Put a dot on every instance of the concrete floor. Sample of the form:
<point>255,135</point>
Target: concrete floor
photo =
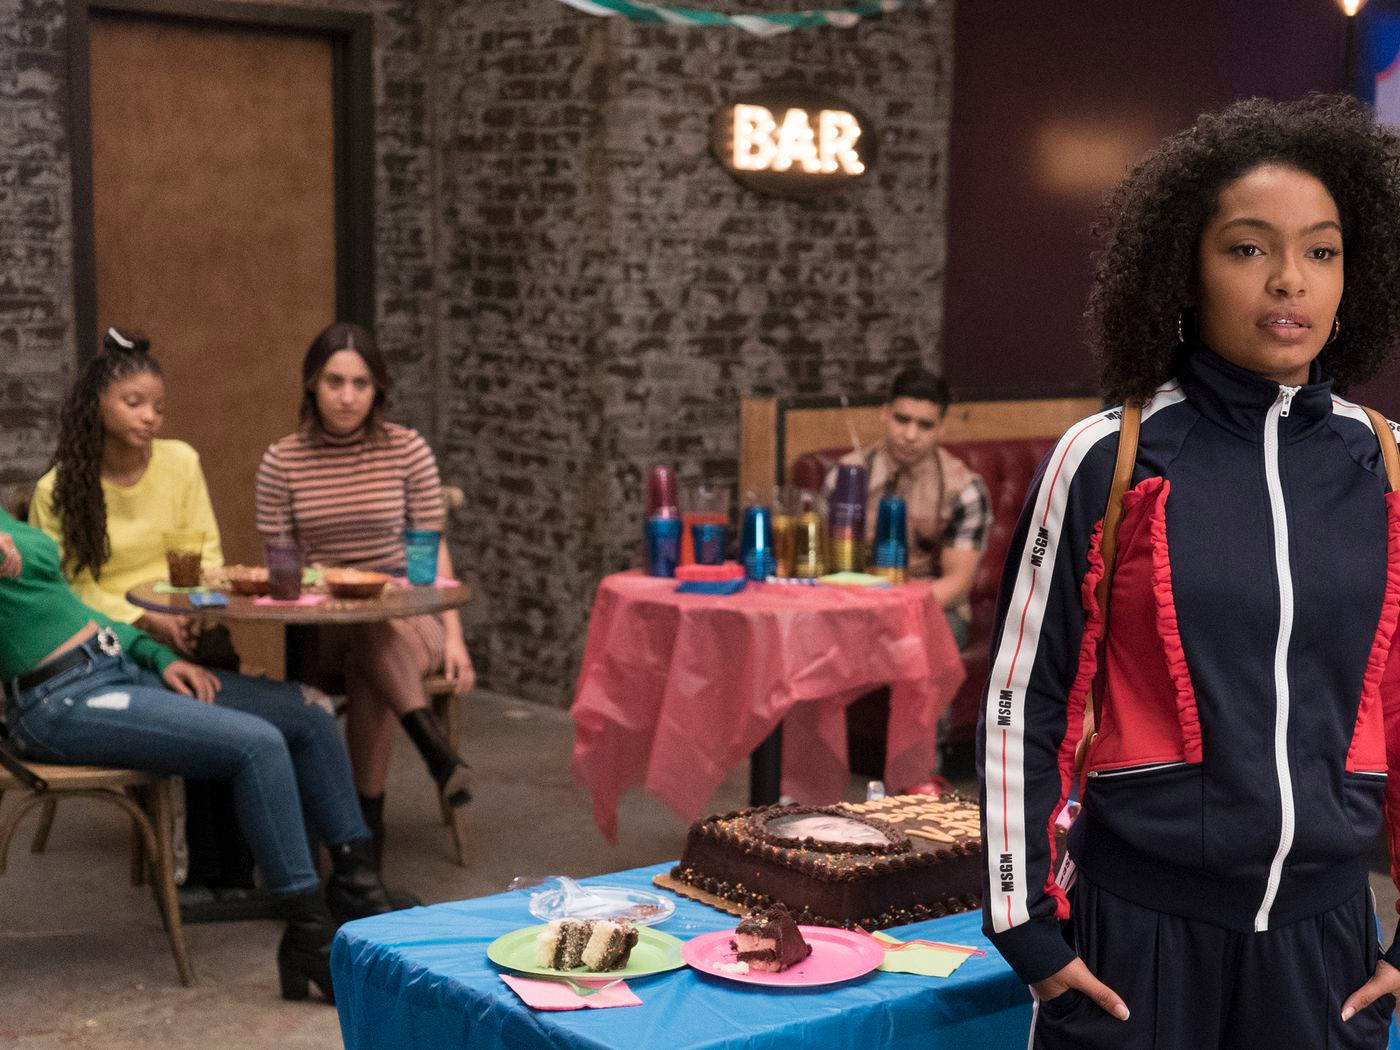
<point>83,957</point>
<point>84,961</point>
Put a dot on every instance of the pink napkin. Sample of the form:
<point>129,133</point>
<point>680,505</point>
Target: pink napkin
<point>441,581</point>
<point>556,995</point>
<point>305,599</point>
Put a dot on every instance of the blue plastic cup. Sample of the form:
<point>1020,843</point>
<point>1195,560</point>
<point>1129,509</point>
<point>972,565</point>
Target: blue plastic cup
<point>891,535</point>
<point>756,546</point>
<point>663,545</point>
<point>420,552</point>
<point>711,540</point>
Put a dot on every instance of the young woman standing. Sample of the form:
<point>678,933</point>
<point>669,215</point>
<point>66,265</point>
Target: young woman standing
<point>1247,749</point>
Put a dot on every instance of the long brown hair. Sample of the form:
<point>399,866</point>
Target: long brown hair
<point>78,501</point>
<point>337,337</point>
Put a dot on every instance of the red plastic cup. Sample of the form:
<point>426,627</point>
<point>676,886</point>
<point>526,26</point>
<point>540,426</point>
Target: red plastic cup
<point>662,493</point>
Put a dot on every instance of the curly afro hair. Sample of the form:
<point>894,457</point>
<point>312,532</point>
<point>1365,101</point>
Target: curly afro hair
<point>1146,274</point>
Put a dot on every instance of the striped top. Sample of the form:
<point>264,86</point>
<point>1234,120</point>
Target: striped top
<point>348,501</point>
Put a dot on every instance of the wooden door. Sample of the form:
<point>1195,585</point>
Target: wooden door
<point>214,219</point>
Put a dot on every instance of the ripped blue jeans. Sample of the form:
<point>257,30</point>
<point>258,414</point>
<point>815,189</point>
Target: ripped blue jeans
<point>276,751</point>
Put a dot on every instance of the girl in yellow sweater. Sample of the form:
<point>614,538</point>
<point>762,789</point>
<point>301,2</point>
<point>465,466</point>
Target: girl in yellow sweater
<point>115,487</point>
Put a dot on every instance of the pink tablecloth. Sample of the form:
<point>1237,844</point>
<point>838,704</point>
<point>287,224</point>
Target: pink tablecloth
<point>676,690</point>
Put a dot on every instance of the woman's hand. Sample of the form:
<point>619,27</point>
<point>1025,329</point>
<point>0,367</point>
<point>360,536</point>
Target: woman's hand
<point>11,564</point>
<point>1077,976</point>
<point>457,664</point>
<point>192,680</point>
<point>1385,981</point>
<point>169,629</point>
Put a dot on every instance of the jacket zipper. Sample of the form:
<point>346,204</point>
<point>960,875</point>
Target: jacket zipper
<point>1127,771</point>
<point>1272,425</point>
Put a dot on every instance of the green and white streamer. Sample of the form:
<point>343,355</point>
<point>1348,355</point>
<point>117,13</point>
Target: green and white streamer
<point>760,25</point>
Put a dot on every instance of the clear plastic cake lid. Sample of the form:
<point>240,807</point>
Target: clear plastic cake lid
<point>560,897</point>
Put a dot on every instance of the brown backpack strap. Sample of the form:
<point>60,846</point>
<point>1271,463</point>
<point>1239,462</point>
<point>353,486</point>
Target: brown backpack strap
<point>1389,454</point>
<point>1108,551</point>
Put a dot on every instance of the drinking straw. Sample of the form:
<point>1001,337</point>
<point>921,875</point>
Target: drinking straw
<point>850,424</point>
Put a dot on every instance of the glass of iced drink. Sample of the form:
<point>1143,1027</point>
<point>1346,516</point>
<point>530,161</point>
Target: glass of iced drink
<point>184,551</point>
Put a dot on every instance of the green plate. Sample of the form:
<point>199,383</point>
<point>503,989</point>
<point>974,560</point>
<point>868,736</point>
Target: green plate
<point>655,952</point>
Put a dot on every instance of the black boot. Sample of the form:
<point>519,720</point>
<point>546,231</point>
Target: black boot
<point>355,889</point>
<point>446,766</point>
<point>372,809</point>
<point>304,956</point>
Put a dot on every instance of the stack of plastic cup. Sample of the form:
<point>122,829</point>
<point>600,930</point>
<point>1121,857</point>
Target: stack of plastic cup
<point>891,554</point>
<point>846,519</point>
<point>663,523</point>
<point>760,559</point>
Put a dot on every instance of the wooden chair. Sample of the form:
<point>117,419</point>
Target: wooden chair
<point>143,797</point>
<point>448,709</point>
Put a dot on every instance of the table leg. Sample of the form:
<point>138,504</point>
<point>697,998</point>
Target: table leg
<point>300,640</point>
<point>766,769</point>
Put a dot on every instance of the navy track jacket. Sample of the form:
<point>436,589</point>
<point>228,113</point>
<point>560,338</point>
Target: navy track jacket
<point>1251,711</point>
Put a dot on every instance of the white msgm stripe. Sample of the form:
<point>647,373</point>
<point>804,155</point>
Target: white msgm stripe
<point>1342,407</point>
<point>1004,755</point>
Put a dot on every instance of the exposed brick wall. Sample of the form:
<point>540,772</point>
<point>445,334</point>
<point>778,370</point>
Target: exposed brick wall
<point>569,289</point>
<point>611,294</point>
<point>524,240</point>
<point>37,349</point>
<point>404,189</point>
<point>36,301</point>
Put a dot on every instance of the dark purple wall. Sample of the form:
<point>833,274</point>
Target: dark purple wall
<point>1051,103</point>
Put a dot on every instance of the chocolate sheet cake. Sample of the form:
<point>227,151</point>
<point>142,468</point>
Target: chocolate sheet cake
<point>872,864</point>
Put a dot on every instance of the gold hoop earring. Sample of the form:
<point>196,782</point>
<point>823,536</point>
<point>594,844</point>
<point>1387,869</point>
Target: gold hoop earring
<point>1336,330</point>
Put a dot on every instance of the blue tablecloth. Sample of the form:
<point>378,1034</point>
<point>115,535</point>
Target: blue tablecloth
<point>420,979</point>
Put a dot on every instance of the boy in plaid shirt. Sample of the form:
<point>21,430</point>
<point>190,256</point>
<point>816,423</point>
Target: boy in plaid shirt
<point>948,509</point>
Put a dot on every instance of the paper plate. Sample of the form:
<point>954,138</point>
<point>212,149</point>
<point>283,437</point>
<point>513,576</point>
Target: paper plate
<point>655,952</point>
<point>568,899</point>
<point>837,955</point>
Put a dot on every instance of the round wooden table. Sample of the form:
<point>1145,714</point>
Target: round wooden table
<point>394,602</point>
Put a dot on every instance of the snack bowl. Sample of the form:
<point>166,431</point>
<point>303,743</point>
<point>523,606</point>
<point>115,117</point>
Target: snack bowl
<point>248,580</point>
<point>354,583</point>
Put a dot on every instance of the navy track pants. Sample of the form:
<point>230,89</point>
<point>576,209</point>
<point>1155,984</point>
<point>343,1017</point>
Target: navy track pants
<point>1190,985</point>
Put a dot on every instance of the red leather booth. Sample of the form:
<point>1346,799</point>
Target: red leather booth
<point>1007,466</point>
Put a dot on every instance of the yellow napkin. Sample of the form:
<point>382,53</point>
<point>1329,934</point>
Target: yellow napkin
<point>921,958</point>
<point>855,579</point>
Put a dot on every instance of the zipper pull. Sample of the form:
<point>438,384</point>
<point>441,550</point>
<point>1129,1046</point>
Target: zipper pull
<point>1285,395</point>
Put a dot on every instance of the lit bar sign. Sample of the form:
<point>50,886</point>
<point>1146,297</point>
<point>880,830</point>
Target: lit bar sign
<point>792,140</point>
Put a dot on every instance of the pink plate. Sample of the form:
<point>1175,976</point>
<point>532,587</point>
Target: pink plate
<point>837,955</point>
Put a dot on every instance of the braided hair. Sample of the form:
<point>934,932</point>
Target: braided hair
<point>77,492</point>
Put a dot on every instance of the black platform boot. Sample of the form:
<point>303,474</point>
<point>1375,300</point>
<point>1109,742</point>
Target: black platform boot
<point>304,956</point>
<point>355,889</point>
<point>452,774</point>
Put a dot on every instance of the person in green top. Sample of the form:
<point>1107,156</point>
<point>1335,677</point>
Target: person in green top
<point>83,688</point>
